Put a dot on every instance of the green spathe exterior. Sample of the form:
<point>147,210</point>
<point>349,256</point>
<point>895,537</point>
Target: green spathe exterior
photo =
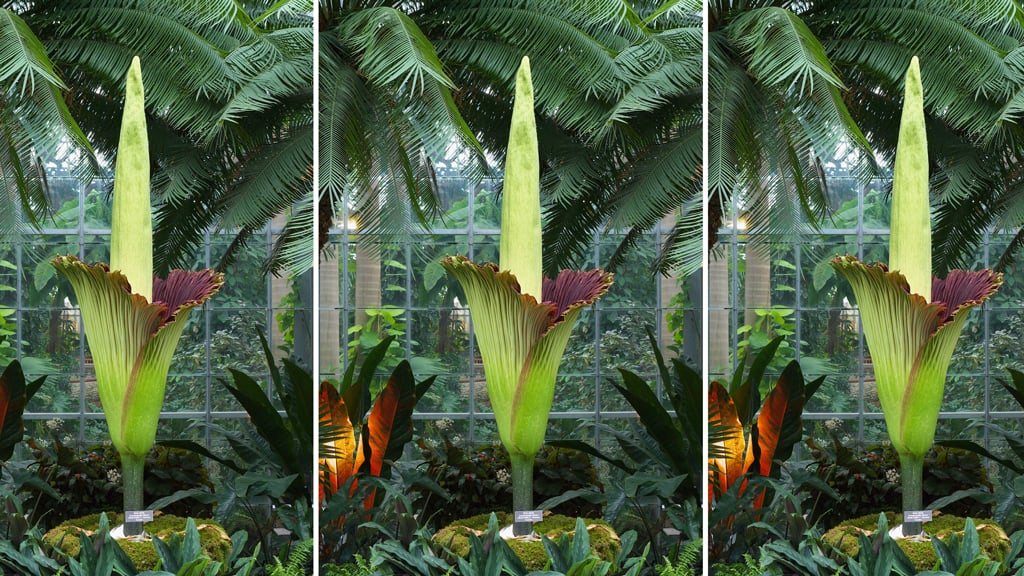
<point>133,321</point>
<point>522,320</point>
<point>911,320</point>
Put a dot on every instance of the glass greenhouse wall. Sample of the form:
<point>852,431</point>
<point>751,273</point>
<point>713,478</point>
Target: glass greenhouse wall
<point>372,288</point>
<point>762,286</point>
<point>40,327</point>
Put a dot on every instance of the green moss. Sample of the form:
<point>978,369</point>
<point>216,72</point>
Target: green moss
<point>604,542</point>
<point>993,540</point>
<point>214,541</point>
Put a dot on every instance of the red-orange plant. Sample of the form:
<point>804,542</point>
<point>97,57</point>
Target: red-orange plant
<point>356,439</point>
<point>749,442</point>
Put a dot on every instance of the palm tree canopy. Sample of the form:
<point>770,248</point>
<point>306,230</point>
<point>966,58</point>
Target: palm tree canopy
<point>794,84</point>
<point>618,100</point>
<point>229,95</point>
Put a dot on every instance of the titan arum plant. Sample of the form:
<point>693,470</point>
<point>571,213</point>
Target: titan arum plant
<point>523,320</point>
<point>132,320</point>
<point>912,320</point>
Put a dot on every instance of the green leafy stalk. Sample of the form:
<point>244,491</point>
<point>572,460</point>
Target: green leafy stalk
<point>522,320</point>
<point>133,322</point>
<point>912,321</point>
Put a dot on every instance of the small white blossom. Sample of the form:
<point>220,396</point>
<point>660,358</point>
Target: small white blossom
<point>503,476</point>
<point>833,424</point>
<point>892,475</point>
<point>113,475</point>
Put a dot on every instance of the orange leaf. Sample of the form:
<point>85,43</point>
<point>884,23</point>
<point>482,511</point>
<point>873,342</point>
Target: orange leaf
<point>769,424</point>
<point>342,453</point>
<point>726,471</point>
<point>379,422</point>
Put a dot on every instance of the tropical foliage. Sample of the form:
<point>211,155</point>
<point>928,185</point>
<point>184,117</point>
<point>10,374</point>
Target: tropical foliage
<point>793,85</point>
<point>748,440</point>
<point>230,106</point>
<point>618,98</point>
<point>358,441</point>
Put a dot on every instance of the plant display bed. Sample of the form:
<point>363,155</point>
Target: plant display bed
<point>215,542</point>
<point>604,541</point>
<point>992,539</point>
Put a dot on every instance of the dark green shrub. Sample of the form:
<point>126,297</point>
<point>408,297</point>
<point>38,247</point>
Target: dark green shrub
<point>869,481</point>
<point>88,481</point>
<point>479,482</point>
<point>359,567</point>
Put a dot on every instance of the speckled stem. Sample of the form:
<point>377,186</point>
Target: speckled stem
<point>522,491</point>
<point>131,472</point>
<point>911,473</point>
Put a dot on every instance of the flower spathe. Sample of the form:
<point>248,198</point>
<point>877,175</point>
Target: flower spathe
<point>132,341</point>
<point>522,340</point>
<point>912,341</point>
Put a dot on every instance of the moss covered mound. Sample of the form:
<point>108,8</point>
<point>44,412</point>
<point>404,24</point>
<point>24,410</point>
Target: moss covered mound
<point>993,540</point>
<point>215,542</point>
<point>604,542</point>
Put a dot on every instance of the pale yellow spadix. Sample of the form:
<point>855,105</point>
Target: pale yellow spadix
<point>520,207</point>
<point>910,239</point>
<point>131,233</point>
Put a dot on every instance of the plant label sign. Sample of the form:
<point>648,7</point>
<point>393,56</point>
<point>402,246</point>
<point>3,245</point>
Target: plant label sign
<point>917,515</point>
<point>138,516</point>
<point>529,515</point>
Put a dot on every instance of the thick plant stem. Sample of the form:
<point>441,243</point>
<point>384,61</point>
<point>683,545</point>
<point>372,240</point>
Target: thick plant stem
<point>131,474</point>
<point>522,491</point>
<point>911,473</point>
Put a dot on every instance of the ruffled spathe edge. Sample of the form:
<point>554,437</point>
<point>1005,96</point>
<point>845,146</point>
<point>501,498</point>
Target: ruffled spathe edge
<point>960,290</point>
<point>182,289</point>
<point>570,290</point>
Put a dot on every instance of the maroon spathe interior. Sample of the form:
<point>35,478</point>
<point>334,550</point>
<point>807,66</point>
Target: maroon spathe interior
<point>573,287</point>
<point>961,287</point>
<point>182,287</point>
